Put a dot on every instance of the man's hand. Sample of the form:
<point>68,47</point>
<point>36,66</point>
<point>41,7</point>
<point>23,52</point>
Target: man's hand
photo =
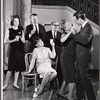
<point>32,32</point>
<point>52,42</point>
<point>73,29</point>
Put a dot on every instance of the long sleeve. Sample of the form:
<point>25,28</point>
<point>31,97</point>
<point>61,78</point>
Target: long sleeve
<point>52,54</point>
<point>85,36</point>
<point>65,37</point>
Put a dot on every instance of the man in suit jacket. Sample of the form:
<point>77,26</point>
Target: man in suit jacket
<point>33,30</point>
<point>83,56</point>
<point>55,35</point>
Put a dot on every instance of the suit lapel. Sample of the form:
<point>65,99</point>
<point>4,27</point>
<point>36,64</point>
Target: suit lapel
<point>51,36</point>
<point>82,31</point>
<point>57,35</point>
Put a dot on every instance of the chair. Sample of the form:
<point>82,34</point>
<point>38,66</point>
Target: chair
<point>29,76</point>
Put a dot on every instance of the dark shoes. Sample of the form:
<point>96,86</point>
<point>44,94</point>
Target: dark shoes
<point>79,99</point>
<point>16,87</point>
<point>61,95</point>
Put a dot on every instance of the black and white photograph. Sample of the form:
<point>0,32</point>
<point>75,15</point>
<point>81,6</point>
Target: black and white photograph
<point>50,49</point>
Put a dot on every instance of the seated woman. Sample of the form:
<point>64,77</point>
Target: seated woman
<point>41,56</point>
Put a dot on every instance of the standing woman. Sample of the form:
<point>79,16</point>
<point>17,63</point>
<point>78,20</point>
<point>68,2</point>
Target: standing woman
<point>15,37</point>
<point>67,59</point>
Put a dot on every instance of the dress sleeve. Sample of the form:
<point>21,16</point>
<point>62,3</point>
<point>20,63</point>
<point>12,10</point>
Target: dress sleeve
<point>52,54</point>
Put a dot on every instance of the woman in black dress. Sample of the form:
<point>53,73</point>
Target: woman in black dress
<point>15,37</point>
<point>67,59</point>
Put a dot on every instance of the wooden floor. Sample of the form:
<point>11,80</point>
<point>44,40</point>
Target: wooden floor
<point>14,94</point>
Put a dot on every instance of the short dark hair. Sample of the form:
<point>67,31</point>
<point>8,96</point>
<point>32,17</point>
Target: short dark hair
<point>52,23</point>
<point>79,14</point>
<point>35,40</point>
<point>12,19</point>
<point>34,14</point>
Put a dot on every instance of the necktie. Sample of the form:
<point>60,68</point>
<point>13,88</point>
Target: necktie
<point>54,35</point>
<point>36,29</point>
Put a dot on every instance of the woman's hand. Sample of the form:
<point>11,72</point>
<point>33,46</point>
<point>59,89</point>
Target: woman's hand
<point>17,38</point>
<point>22,39</point>
<point>73,29</point>
<point>52,43</point>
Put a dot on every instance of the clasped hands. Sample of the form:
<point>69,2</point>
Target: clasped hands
<point>73,29</point>
<point>17,38</point>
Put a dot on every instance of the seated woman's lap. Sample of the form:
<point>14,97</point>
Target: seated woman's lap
<point>43,69</point>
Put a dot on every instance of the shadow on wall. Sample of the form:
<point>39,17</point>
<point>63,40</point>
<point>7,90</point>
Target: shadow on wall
<point>95,53</point>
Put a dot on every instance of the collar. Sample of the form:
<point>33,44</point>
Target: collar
<point>54,34</point>
<point>84,23</point>
<point>35,24</point>
<point>54,31</point>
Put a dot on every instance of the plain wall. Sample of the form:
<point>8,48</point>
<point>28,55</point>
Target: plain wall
<point>47,14</point>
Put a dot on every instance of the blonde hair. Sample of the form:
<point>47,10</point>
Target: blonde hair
<point>62,24</point>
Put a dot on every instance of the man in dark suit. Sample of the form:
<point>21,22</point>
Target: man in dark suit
<point>55,35</point>
<point>83,56</point>
<point>33,30</point>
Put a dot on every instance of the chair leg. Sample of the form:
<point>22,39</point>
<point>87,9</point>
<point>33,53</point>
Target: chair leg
<point>35,81</point>
<point>51,93</point>
<point>23,84</point>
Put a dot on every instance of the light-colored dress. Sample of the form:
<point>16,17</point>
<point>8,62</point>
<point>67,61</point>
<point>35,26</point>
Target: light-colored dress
<point>41,56</point>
